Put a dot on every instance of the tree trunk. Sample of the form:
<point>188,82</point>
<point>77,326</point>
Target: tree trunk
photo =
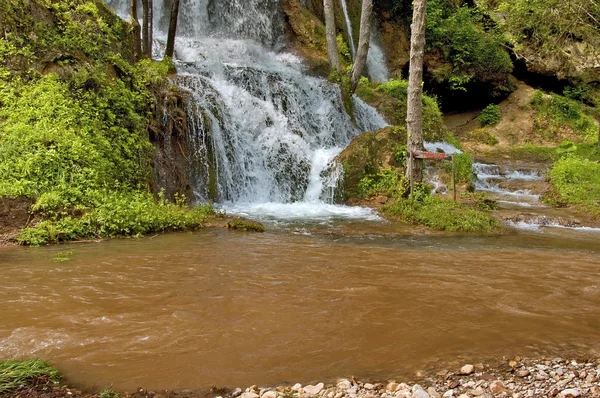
<point>150,27</point>
<point>332,49</point>
<point>137,30</point>
<point>172,29</point>
<point>414,117</point>
<point>366,22</point>
<point>145,20</point>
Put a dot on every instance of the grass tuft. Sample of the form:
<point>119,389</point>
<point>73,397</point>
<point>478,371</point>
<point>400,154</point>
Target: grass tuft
<point>14,374</point>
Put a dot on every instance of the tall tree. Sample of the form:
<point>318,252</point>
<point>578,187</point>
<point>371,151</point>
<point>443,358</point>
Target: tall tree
<point>147,27</point>
<point>172,29</point>
<point>414,117</point>
<point>364,39</point>
<point>332,50</point>
<point>137,30</point>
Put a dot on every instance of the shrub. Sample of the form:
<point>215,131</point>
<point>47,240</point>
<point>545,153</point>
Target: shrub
<point>483,136</point>
<point>442,215</point>
<point>576,180</point>
<point>385,181</point>
<point>490,116</point>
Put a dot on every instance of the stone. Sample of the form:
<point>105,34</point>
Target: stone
<point>523,373</point>
<point>497,387</point>
<point>369,386</point>
<point>269,394</point>
<point>463,396</point>
<point>344,384</point>
<point>570,393</point>
<point>250,395</point>
<point>478,392</point>
<point>296,387</point>
<point>392,386</point>
<point>403,394</point>
<point>467,370</point>
<point>311,390</point>
<point>418,392</point>
<point>236,393</point>
<point>433,393</point>
<point>448,394</point>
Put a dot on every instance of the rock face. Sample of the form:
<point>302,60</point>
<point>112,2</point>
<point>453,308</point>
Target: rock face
<point>366,154</point>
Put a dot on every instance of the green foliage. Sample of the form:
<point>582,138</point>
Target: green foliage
<point>576,180</point>
<point>384,181</point>
<point>474,49</point>
<point>463,162</point>
<point>490,116</point>
<point>118,214</point>
<point>556,112</point>
<point>442,215</point>
<point>108,393</point>
<point>344,50</point>
<point>16,373</point>
<point>433,123</point>
<point>483,136</point>
<point>246,225</point>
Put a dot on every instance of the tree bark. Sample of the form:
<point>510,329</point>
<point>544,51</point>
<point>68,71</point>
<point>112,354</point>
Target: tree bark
<point>150,27</point>
<point>414,117</point>
<point>332,49</point>
<point>137,30</point>
<point>147,28</point>
<point>366,22</point>
<point>172,29</point>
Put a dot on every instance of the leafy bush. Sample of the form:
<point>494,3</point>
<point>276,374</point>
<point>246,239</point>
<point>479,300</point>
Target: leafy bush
<point>474,49</point>
<point>576,180</point>
<point>483,136</point>
<point>490,116</point>
<point>17,373</point>
<point>463,163</point>
<point>556,112</point>
<point>443,215</point>
<point>385,181</point>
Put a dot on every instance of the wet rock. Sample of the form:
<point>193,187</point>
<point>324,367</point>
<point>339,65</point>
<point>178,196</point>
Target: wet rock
<point>393,387</point>
<point>250,395</point>
<point>478,392</point>
<point>418,392</point>
<point>448,394</point>
<point>403,394</point>
<point>236,393</point>
<point>344,384</point>
<point>311,390</point>
<point>296,387</point>
<point>467,370</point>
<point>433,393</point>
<point>269,394</point>
<point>497,387</point>
<point>523,373</point>
<point>570,393</point>
<point>369,386</point>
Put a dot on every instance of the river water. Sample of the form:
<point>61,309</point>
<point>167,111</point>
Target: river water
<point>296,305</point>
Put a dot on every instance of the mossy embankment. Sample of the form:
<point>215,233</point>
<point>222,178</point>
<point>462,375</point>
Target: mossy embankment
<point>91,139</point>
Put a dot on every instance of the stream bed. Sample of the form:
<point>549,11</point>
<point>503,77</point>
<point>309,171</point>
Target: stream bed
<point>232,309</point>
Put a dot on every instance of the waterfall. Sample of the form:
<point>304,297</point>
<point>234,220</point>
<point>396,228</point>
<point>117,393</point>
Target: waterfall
<point>265,134</point>
<point>349,29</point>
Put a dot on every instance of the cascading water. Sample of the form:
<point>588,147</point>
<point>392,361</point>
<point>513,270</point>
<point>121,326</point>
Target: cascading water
<point>265,133</point>
<point>349,29</point>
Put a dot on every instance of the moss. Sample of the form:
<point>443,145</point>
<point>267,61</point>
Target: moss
<point>14,374</point>
<point>482,136</point>
<point>442,215</point>
<point>246,226</point>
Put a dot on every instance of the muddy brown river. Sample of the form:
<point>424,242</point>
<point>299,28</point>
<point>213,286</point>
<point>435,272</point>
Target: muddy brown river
<point>232,309</point>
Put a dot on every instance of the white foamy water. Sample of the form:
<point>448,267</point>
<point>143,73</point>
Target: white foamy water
<point>300,211</point>
<point>441,147</point>
<point>376,63</point>
<point>349,29</point>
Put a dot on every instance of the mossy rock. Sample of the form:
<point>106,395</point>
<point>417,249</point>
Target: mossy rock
<point>246,226</point>
<point>368,153</point>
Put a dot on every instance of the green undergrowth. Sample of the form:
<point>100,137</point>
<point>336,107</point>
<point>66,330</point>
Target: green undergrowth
<point>14,374</point>
<point>441,215</point>
<point>391,99</point>
<point>117,214</point>
<point>74,117</point>
<point>556,113</point>
<point>490,116</point>
<point>246,226</point>
<point>575,180</point>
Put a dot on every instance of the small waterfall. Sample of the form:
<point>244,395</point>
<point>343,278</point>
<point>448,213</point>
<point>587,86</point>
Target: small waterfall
<point>349,29</point>
<point>264,133</point>
<point>376,63</point>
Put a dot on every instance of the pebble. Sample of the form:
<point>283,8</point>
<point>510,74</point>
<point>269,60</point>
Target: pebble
<point>392,386</point>
<point>369,386</point>
<point>296,387</point>
<point>311,391</point>
<point>467,370</point>
<point>497,387</point>
<point>570,393</point>
<point>236,393</point>
<point>433,393</point>
<point>249,395</point>
<point>269,394</point>
<point>343,384</point>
